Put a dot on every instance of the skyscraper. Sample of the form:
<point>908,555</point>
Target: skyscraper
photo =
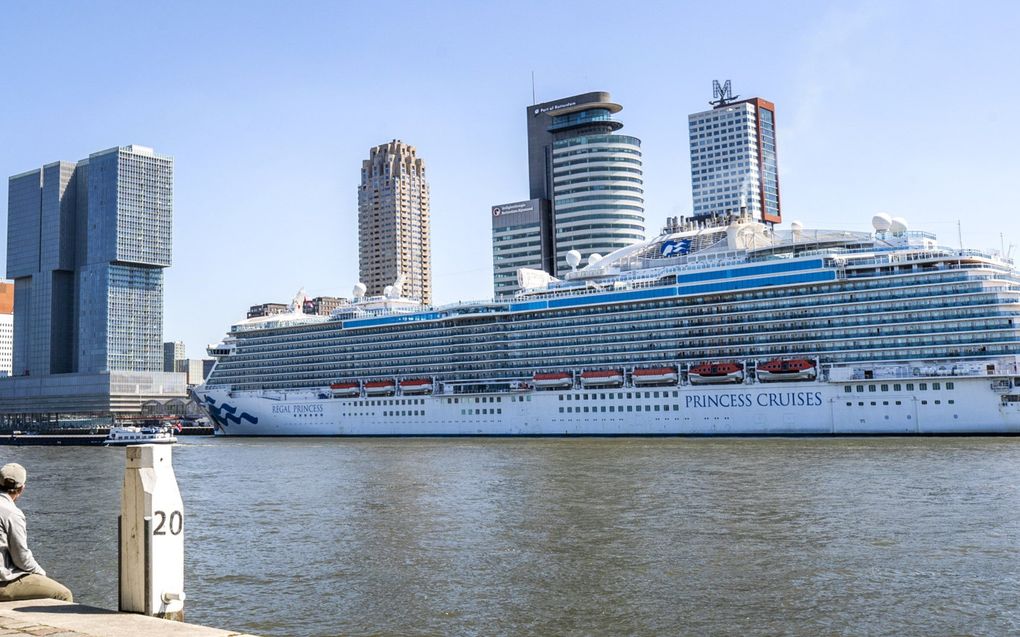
<point>590,179</point>
<point>86,246</point>
<point>173,351</point>
<point>393,222</point>
<point>733,158</point>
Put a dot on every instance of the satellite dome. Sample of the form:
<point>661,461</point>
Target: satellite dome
<point>881,222</point>
<point>594,258</point>
<point>359,290</point>
<point>796,226</point>
<point>388,291</point>
<point>573,258</point>
<point>898,225</point>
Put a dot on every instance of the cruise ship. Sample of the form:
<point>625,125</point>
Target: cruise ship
<point>729,327</point>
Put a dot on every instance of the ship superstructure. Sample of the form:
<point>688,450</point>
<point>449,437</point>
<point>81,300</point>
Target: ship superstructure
<point>725,326</point>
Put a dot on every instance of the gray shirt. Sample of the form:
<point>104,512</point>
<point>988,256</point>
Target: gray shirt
<point>17,559</point>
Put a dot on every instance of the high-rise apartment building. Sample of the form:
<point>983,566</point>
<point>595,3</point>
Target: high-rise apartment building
<point>590,180</point>
<point>393,222</point>
<point>733,158</point>
<point>173,351</point>
<point>6,327</point>
<point>86,246</point>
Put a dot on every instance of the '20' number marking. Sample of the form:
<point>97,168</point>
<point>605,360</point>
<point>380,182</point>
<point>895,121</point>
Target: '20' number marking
<point>175,523</point>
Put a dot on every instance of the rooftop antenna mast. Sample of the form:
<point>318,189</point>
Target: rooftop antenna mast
<point>534,100</point>
<point>722,94</point>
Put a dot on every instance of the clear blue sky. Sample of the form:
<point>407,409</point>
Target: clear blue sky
<point>270,107</point>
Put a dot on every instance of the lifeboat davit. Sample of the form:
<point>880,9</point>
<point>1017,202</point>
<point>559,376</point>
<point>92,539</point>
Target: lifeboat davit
<point>602,378</point>
<point>552,380</point>
<point>344,390</point>
<point>716,373</point>
<point>416,386</point>
<point>380,388</point>
<point>655,376</point>
<point>792,369</point>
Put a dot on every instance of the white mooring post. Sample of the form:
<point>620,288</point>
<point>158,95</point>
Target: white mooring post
<point>151,535</point>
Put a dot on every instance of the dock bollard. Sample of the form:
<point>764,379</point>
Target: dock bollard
<point>151,530</point>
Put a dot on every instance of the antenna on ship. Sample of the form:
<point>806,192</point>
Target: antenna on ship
<point>722,94</point>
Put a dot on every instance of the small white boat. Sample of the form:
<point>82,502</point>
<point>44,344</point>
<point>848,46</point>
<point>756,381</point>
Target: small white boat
<point>131,435</point>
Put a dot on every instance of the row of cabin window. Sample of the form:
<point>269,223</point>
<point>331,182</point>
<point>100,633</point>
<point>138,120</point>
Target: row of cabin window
<point>899,387</point>
<point>886,402</point>
<point>618,395</point>
<point>614,408</point>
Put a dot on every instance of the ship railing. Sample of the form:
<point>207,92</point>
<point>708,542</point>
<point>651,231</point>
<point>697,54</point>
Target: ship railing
<point>893,372</point>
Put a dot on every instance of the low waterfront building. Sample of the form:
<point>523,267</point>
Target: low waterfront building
<point>266,309</point>
<point>323,305</point>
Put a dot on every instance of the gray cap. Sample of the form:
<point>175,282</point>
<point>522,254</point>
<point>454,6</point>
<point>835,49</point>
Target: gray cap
<point>13,475</point>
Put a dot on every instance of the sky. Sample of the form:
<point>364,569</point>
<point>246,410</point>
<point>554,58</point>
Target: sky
<point>269,108</point>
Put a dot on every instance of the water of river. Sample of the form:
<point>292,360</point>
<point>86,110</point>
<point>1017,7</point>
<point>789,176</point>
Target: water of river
<point>879,536</point>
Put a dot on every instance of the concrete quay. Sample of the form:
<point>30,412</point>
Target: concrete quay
<point>53,618</point>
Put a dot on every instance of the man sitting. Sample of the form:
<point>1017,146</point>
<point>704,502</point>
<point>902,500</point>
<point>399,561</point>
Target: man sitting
<point>21,577</point>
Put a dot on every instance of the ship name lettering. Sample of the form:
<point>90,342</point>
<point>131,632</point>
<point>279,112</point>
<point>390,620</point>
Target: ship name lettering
<point>769,399</point>
<point>297,409</point>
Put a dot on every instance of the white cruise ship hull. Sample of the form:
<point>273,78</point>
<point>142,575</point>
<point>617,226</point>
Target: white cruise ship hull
<point>973,406</point>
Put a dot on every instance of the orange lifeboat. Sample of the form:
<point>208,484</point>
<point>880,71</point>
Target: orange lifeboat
<point>416,386</point>
<point>552,380</point>
<point>346,390</point>
<point>716,373</point>
<point>655,376</point>
<point>380,388</point>
<point>602,378</point>
<point>779,370</point>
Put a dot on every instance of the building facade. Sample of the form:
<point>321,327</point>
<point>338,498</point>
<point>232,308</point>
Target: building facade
<point>193,370</point>
<point>733,160</point>
<point>6,327</point>
<point>588,181</point>
<point>87,243</point>
<point>323,305</point>
<point>266,309</point>
<point>521,238</point>
<point>393,222</point>
<point>172,352</point>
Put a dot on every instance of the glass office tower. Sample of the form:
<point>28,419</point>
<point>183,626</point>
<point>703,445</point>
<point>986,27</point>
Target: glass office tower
<point>87,245</point>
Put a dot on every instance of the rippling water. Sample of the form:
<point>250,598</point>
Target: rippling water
<point>881,536</point>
